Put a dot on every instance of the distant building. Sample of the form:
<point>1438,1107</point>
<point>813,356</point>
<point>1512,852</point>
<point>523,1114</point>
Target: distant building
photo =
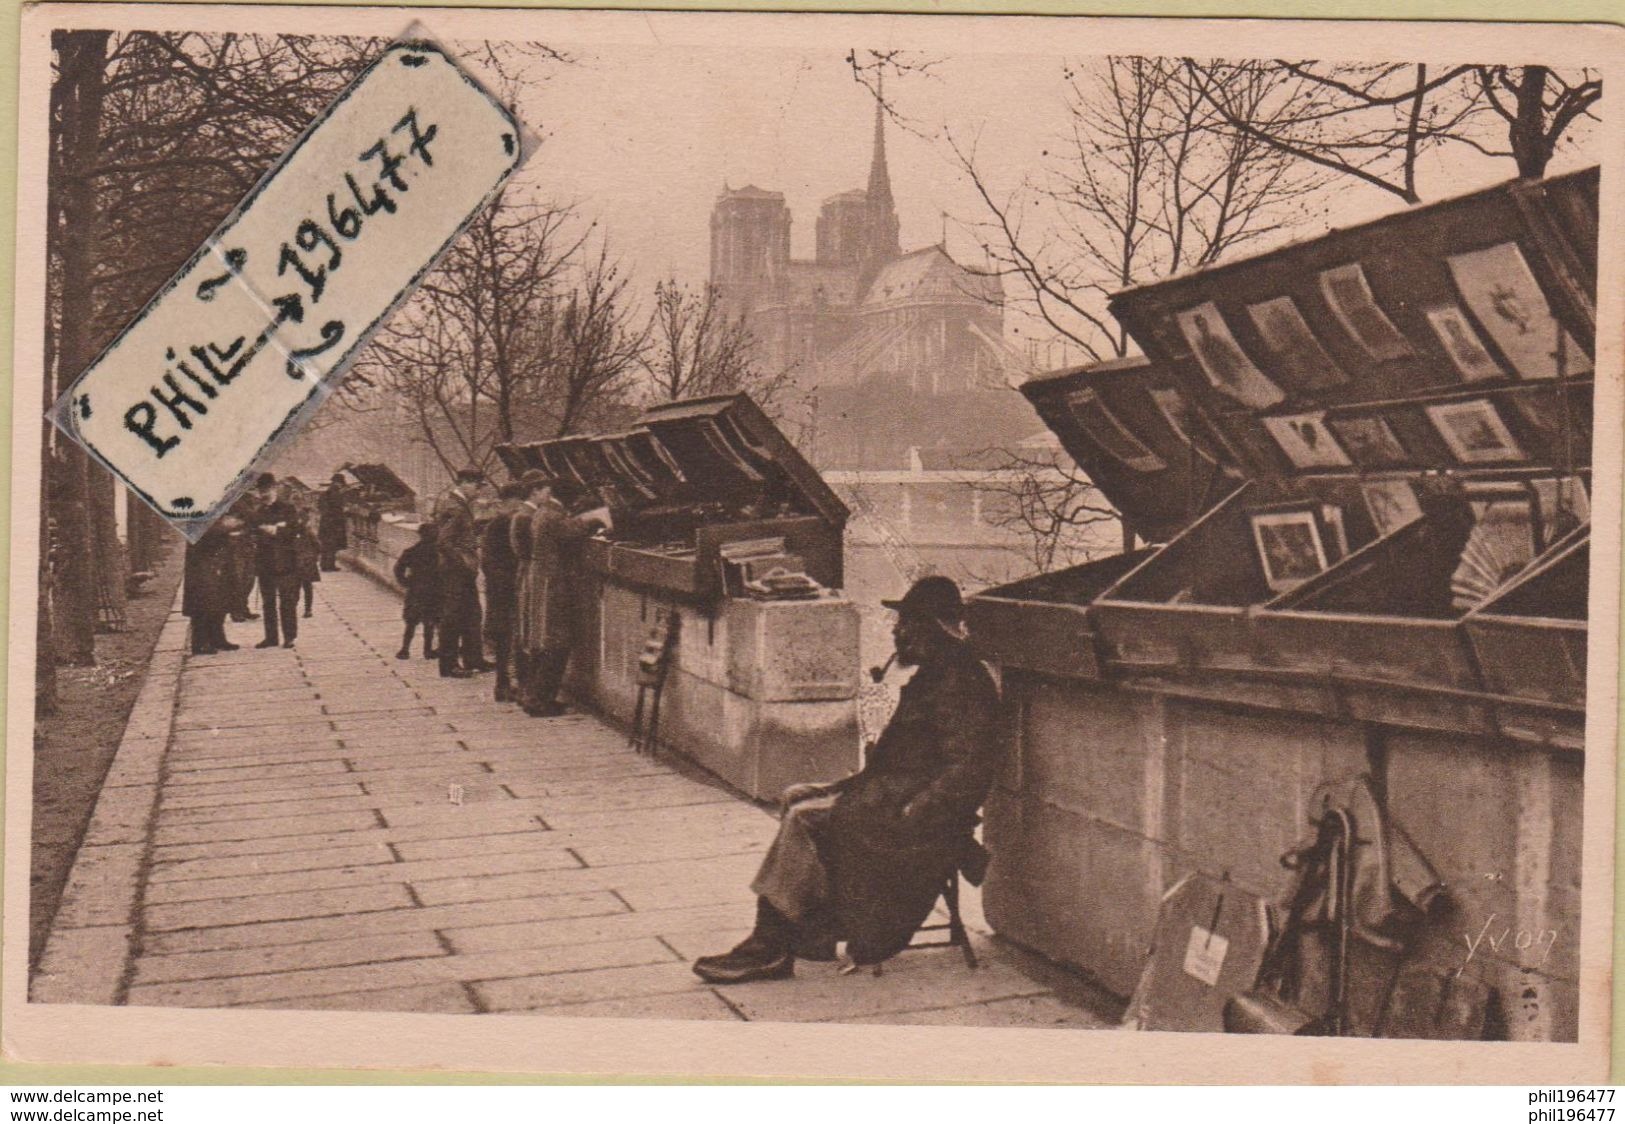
<point>902,373</point>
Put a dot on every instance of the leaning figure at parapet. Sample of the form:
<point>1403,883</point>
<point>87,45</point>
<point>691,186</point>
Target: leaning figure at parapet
<point>863,860</point>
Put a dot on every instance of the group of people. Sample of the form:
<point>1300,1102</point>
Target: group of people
<point>525,544</point>
<point>859,860</point>
<point>266,541</point>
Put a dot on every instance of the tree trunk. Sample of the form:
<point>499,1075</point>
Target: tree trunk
<point>72,213</point>
<point>1530,146</point>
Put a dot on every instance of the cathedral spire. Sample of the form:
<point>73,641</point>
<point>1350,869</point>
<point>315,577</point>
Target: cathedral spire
<point>882,209</point>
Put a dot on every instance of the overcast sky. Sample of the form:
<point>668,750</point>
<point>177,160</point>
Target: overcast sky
<point>645,138</point>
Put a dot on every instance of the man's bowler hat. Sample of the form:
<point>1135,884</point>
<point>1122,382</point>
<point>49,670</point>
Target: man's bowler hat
<point>533,479</point>
<point>935,596</point>
<point>265,480</point>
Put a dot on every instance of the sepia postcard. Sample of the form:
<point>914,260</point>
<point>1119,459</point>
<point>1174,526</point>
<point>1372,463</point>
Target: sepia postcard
<point>881,547</point>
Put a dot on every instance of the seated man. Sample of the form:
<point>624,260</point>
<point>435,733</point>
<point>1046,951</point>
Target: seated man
<point>864,859</point>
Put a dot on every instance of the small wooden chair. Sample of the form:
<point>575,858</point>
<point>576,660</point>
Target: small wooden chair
<point>954,926</point>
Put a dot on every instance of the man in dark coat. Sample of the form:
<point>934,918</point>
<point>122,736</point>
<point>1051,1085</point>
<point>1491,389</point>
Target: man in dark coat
<point>864,859</point>
<point>461,648</point>
<point>211,586</point>
<point>333,526</point>
<point>501,568</point>
<point>277,528</point>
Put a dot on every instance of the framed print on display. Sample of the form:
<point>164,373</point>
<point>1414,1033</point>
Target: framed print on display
<point>1227,367</point>
<point>1505,297</point>
<point>1369,440</point>
<point>1290,548</point>
<point>1349,295</point>
<point>1293,344</point>
<point>1461,342</point>
<point>1475,432</point>
<point>1391,503</point>
<point>1306,440</point>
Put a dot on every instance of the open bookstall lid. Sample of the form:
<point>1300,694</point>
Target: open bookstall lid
<point>380,478</point>
<point>1138,438</point>
<point>1456,336</point>
<point>726,446</point>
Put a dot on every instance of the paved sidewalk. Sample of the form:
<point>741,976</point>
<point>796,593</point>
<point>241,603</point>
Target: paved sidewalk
<point>336,828</point>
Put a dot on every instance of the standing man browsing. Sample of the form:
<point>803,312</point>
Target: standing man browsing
<point>332,526</point>
<point>500,567</point>
<point>277,529</point>
<point>864,859</point>
<point>545,628</point>
<point>461,649</point>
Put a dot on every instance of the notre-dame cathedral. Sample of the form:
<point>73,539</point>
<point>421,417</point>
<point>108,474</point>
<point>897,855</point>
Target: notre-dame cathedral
<point>892,352</point>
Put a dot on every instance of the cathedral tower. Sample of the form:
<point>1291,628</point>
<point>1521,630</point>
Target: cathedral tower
<point>750,246</point>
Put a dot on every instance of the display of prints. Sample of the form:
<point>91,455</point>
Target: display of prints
<point>1298,353</point>
<point>1475,432</point>
<point>1505,297</point>
<point>1227,367</point>
<point>1306,441</point>
<point>1289,547</point>
<point>1177,412</point>
<point>1461,343</point>
<point>1370,440</point>
<point>1350,298</point>
<point>1392,504</point>
<point>1101,426</point>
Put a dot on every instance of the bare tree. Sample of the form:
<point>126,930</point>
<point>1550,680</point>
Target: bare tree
<point>1046,501</point>
<point>1375,122</point>
<point>1143,184</point>
<point>473,342</point>
<point>598,348</point>
<point>696,348</point>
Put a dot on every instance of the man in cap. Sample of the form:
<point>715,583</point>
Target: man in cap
<point>277,528</point>
<point>864,859</point>
<point>460,641</point>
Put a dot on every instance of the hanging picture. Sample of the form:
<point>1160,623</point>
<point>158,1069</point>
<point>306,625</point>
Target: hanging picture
<point>1289,547</point>
<point>1177,413</point>
<point>1298,354</point>
<point>1306,441</point>
<point>1227,367</point>
<point>1461,342</point>
<point>1369,440</point>
<point>1391,503</point>
<point>1505,297</point>
<point>1350,298</point>
<point>1562,504</point>
<point>1475,432</point>
<point>1108,434</point>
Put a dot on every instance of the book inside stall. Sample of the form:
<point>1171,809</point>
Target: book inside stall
<point>1360,468</point>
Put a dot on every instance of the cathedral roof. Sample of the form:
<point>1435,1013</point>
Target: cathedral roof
<point>930,276</point>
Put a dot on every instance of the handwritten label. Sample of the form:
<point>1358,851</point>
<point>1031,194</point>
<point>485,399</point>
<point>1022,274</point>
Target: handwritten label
<point>1204,955</point>
<point>239,348</point>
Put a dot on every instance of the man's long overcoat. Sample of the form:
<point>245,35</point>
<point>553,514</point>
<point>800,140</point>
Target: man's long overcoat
<point>210,571</point>
<point>899,827</point>
<point>549,557</point>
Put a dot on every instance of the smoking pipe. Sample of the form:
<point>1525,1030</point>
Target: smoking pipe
<point>879,673</point>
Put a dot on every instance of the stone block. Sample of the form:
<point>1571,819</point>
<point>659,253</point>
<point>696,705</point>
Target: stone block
<point>792,650</point>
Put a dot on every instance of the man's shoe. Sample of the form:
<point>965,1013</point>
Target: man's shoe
<point>228,647</point>
<point>455,673</point>
<point>287,643</point>
<point>307,614</point>
<point>548,710</point>
<point>750,961</point>
<point>477,668</point>
<point>403,654</point>
<point>249,617</point>
<point>266,644</point>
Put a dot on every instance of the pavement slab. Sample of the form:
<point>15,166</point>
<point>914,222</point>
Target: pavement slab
<point>327,827</point>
